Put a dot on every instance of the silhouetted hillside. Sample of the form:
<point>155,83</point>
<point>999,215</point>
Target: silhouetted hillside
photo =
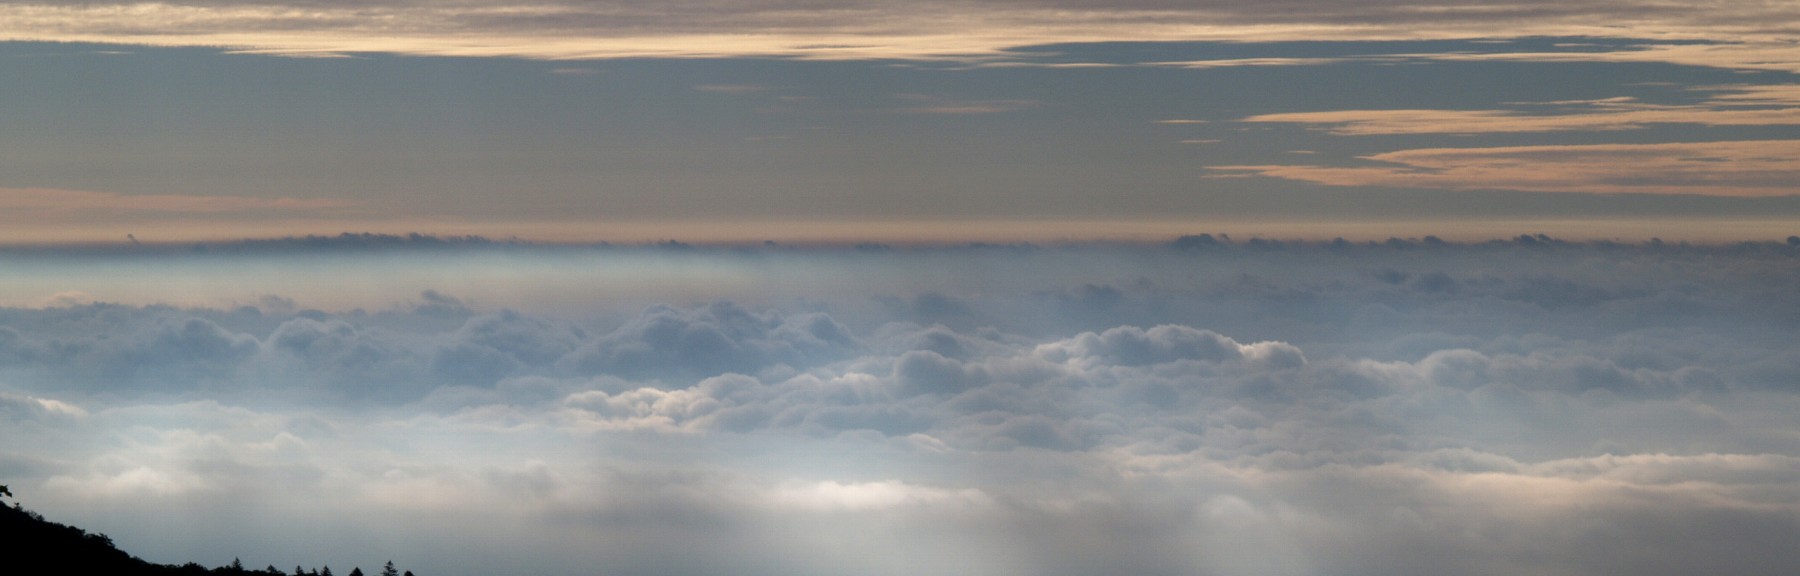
<point>39,546</point>
<point>66,548</point>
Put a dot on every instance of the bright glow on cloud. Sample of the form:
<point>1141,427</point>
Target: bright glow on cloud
<point>873,496</point>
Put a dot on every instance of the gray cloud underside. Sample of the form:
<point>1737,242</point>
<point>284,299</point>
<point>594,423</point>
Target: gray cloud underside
<point>1528,408</point>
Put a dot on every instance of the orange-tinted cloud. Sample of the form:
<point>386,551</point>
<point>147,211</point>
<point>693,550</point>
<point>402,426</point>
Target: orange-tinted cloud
<point>1750,33</point>
<point>1738,168</point>
<point>1777,105</point>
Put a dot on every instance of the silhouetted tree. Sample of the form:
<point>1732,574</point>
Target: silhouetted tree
<point>389,570</point>
<point>355,571</point>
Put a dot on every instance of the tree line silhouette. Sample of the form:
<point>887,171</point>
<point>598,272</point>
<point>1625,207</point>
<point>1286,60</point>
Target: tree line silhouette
<point>36,545</point>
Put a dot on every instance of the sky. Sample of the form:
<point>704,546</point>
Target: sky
<point>1002,288</point>
<point>939,122</point>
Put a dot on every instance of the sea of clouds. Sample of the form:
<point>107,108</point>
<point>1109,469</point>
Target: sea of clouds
<point>1526,406</point>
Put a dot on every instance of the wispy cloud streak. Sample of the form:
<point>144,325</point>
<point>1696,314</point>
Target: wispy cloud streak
<point>1770,105</point>
<point>860,30</point>
<point>1742,168</point>
<point>34,204</point>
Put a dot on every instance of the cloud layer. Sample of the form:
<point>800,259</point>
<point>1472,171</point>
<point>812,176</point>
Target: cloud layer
<point>1527,406</point>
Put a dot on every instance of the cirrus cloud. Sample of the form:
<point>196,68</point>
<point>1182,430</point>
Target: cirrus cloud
<point>1740,168</point>
<point>35,204</point>
<point>1767,105</point>
<point>561,29</point>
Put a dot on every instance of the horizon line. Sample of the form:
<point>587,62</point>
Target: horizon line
<point>1194,239</point>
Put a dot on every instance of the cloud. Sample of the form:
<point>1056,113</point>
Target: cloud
<point>36,204</point>
<point>490,347</point>
<point>1133,346</point>
<point>928,104</point>
<point>1381,122</point>
<point>20,408</point>
<point>1739,168</point>
<point>665,342</point>
<point>1751,31</point>
<point>1771,105</point>
<point>1752,52</point>
<point>868,496</point>
<point>1242,62</point>
<point>1366,408</point>
<point>344,358</point>
<point>165,352</point>
<point>731,88</point>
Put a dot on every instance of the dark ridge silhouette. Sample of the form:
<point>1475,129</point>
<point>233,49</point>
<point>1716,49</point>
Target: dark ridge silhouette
<point>1790,247</point>
<point>1193,241</point>
<point>39,546</point>
<point>349,241</point>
